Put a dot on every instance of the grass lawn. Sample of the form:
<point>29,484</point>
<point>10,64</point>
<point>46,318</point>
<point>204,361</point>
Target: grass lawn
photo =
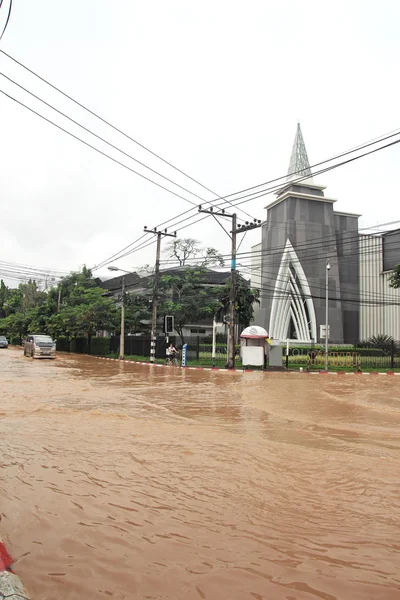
<point>221,363</point>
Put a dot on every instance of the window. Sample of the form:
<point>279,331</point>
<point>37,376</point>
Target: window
<point>202,331</point>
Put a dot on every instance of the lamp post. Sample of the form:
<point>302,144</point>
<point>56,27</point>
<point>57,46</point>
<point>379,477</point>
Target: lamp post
<point>328,266</point>
<point>122,335</point>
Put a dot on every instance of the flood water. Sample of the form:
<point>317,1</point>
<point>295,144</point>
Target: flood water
<point>120,481</point>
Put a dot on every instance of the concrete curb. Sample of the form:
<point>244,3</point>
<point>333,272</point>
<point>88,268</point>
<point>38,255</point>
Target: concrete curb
<point>149,364</point>
<point>10,585</point>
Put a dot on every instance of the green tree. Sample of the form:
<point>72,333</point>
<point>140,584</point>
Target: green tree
<point>245,300</point>
<point>382,340</point>
<point>96,313</point>
<point>82,309</point>
<point>4,291</point>
<point>85,311</point>
<point>394,280</point>
<point>71,289</point>
<point>32,297</point>
<point>137,317</point>
<point>182,249</point>
<point>186,297</point>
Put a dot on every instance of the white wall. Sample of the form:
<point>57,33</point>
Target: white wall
<point>376,319</point>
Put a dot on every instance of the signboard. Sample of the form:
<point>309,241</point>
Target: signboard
<point>322,332</point>
<point>184,354</point>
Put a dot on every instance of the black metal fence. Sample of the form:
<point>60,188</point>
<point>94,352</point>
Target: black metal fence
<point>359,357</point>
<point>362,357</point>
<point>199,349</point>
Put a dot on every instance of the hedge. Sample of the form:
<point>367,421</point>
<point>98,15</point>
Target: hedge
<point>100,346</point>
<point>62,344</point>
<point>79,345</point>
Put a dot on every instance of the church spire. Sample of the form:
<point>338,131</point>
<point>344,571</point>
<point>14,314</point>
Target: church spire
<point>299,164</point>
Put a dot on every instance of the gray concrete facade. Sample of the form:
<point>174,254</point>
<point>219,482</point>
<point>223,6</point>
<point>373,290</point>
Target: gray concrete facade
<point>301,233</point>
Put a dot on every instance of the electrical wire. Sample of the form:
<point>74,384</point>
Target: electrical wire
<point>252,195</point>
<point>119,131</point>
<point>94,147</point>
<point>309,245</point>
<point>264,193</point>
<point>8,18</point>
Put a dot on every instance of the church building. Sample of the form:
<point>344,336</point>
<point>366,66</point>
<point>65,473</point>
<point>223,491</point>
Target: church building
<point>308,247</point>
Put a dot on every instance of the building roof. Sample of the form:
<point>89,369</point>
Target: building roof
<point>299,164</point>
<point>116,282</point>
<point>211,277</point>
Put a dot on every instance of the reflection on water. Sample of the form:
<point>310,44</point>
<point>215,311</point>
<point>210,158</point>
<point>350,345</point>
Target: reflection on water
<point>123,481</point>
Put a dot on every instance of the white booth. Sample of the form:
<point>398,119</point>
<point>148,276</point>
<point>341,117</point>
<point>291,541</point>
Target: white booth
<point>254,347</point>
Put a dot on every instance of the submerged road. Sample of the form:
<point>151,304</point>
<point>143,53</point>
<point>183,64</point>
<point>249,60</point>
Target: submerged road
<point>122,481</point>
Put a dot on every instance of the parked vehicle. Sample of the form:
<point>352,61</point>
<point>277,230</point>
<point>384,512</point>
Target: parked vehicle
<point>39,346</point>
<point>3,342</point>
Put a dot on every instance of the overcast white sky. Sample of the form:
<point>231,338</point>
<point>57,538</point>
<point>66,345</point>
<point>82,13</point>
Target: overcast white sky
<point>215,87</point>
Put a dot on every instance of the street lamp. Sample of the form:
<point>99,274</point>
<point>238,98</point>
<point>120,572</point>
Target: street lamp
<point>122,335</point>
<point>328,266</point>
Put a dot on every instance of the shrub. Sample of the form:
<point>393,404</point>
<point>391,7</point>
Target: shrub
<point>79,345</point>
<point>100,346</point>
<point>15,341</point>
<point>62,344</point>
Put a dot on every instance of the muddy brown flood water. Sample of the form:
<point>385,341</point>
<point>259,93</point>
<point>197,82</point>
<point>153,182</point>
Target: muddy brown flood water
<point>122,482</point>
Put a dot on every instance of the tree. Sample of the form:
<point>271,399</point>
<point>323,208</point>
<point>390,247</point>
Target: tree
<point>394,279</point>
<point>72,287</point>
<point>4,290</point>
<point>185,296</point>
<point>32,297</point>
<point>383,341</point>
<point>96,313</point>
<point>85,312</point>
<point>83,309</point>
<point>245,300</point>
<point>185,248</point>
<point>137,316</point>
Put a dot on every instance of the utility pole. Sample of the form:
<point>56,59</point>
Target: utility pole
<point>122,336</point>
<point>59,298</point>
<point>328,266</point>
<point>159,234</point>
<point>232,296</point>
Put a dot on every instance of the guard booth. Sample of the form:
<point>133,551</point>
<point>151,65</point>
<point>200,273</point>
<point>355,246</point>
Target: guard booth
<point>257,349</point>
<point>254,348</point>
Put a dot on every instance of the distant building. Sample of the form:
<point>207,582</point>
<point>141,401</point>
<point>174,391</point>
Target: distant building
<point>301,234</point>
<point>138,285</point>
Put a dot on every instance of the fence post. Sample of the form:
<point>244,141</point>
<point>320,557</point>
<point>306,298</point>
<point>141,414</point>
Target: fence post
<point>198,348</point>
<point>287,353</point>
<point>392,354</point>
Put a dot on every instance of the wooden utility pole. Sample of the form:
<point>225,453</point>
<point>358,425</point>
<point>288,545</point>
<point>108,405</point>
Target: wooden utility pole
<point>122,335</point>
<point>232,298</point>
<point>232,295</point>
<point>159,235</point>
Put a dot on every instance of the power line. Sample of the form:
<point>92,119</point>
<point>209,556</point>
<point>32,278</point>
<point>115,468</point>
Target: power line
<point>8,17</point>
<point>121,132</point>
<point>159,157</point>
<point>305,246</point>
<point>272,189</point>
<point>94,147</point>
<point>271,276</point>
